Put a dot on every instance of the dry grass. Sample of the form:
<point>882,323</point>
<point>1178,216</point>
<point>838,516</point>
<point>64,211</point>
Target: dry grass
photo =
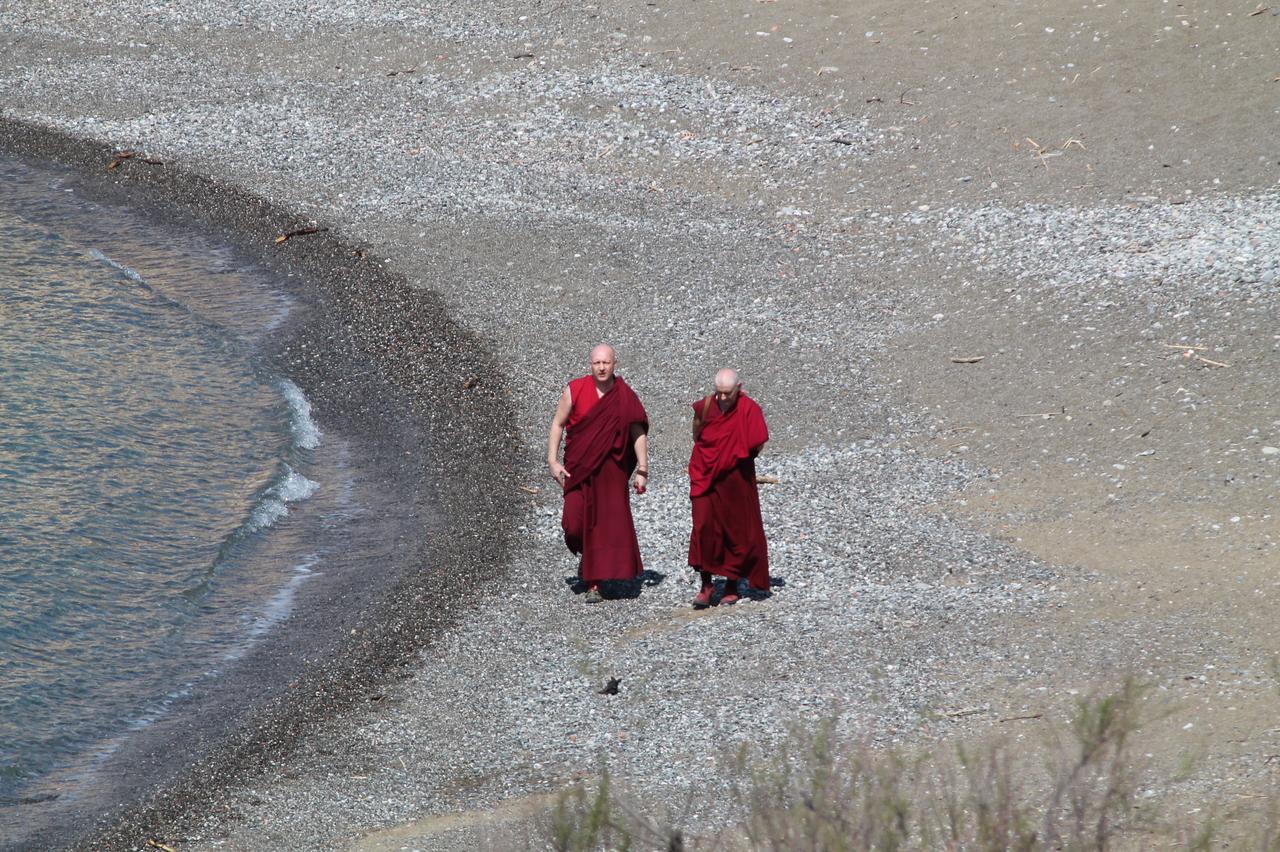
<point>817,793</point>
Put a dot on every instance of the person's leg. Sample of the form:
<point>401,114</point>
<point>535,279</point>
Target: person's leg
<point>573,522</point>
<point>610,549</point>
<point>730,596</point>
<point>703,598</point>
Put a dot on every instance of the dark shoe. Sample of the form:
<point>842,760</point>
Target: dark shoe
<point>729,598</point>
<point>703,599</point>
<point>593,595</point>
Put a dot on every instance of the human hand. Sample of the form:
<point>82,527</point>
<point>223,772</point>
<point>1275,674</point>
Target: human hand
<point>558,472</point>
<point>641,482</point>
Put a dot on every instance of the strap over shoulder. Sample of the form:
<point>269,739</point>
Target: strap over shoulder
<point>700,419</point>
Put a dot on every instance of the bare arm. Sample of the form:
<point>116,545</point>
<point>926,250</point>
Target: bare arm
<point>558,420</point>
<point>640,440</point>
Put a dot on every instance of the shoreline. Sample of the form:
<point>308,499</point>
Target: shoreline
<point>849,209</point>
<point>391,624</point>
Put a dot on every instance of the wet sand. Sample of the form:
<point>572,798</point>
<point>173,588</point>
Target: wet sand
<point>839,204</point>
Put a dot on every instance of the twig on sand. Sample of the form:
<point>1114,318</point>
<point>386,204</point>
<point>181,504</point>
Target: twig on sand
<point>967,359</point>
<point>1204,360</point>
<point>298,232</point>
<point>1070,142</point>
<point>902,98</point>
<point>1259,10</point>
<point>120,156</point>
<point>1184,346</point>
<point>766,480</point>
<point>1021,718</point>
<point>528,489</point>
<point>156,844</point>
<point>1042,415</point>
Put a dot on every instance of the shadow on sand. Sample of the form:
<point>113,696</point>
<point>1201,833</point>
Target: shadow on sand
<point>619,589</point>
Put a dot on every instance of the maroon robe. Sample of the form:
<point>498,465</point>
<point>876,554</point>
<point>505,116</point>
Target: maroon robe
<point>600,455</point>
<point>728,532</point>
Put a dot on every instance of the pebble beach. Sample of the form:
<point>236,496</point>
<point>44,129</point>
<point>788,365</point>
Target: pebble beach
<point>1012,323</point>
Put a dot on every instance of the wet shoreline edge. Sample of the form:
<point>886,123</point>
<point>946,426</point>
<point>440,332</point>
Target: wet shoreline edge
<point>383,360</point>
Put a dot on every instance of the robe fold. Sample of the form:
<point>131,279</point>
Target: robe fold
<point>728,532</point>
<point>600,456</point>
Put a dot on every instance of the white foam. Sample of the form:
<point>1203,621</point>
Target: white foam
<point>129,273</point>
<point>306,433</point>
<point>291,488</point>
<point>275,610</point>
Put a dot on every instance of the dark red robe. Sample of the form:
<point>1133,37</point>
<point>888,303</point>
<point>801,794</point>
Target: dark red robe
<point>728,532</point>
<point>600,456</point>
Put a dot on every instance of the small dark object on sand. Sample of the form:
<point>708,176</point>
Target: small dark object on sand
<point>611,688</point>
<point>299,232</point>
<point>120,156</point>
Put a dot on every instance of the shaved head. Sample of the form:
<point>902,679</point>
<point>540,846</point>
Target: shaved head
<point>726,380</point>
<point>603,362</point>
<point>727,387</point>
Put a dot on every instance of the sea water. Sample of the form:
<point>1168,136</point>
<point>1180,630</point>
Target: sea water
<point>146,456</point>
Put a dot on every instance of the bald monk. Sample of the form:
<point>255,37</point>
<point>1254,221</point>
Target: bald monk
<point>605,434</point>
<point>728,533</point>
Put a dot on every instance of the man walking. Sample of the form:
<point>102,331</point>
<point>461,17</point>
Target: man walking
<point>605,432</point>
<point>728,532</point>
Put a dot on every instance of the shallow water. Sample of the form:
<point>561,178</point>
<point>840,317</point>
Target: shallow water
<point>152,468</point>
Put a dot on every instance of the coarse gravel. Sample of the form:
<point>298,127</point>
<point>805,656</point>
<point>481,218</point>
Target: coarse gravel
<point>576,195</point>
<point>1171,257</point>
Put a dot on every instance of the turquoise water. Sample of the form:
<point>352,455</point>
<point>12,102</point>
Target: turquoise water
<point>145,454</point>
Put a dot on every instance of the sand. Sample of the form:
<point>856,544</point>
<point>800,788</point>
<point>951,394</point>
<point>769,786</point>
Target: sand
<point>839,203</point>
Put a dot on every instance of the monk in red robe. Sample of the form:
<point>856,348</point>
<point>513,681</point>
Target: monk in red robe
<point>728,532</point>
<point>606,438</point>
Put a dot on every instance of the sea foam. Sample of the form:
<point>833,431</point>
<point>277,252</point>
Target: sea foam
<point>306,433</point>
<point>289,488</point>
<point>129,273</point>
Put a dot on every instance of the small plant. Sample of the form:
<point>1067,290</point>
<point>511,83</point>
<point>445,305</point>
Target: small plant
<point>584,820</point>
<point>817,793</point>
<point>1095,780</point>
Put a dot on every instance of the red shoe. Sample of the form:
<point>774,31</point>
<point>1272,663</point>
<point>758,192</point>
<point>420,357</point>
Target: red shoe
<point>703,599</point>
<point>729,598</point>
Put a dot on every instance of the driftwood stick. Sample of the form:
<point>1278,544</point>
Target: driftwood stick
<point>299,232</point>
<point>119,157</point>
